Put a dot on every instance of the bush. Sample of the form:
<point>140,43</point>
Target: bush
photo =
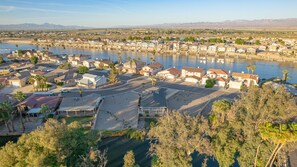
<point>210,83</point>
<point>82,69</point>
<point>60,83</point>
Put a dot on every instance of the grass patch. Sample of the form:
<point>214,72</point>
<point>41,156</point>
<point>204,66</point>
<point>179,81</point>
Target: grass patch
<point>81,120</point>
<point>131,133</point>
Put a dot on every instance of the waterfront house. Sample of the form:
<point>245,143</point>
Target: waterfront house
<point>5,71</point>
<point>89,63</point>
<point>231,49</point>
<point>193,48</point>
<point>212,49</point>
<point>273,48</point>
<point>221,49</point>
<point>203,48</point>
<point>133,66</point>
<point>151,69</point>
<point>190,71</point>
<point>251,50</point>
<point>3,82</point>
<point>68,78</point>
<point>246,79</point>
<point>92,81</point>
<point>241,50</point>
<point>262,48</point>
<point>103,63</point>
<point>220,76</point>
<point>171,73</point>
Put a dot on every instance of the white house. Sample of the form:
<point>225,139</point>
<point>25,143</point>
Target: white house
<point>247,79</point>
<point>151,69</point>
<point>171,73</point>
<point>90,80</point>
<point>231,49</point>
<point>221,49</point>
<point>89,63</point>
<point>221,77</point>
<point>212,49</point>
<point>190,71</point>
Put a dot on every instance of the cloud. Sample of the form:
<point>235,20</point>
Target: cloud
<point>6,8</point>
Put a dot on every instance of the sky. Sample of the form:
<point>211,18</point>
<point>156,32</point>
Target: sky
<point>113,13</point>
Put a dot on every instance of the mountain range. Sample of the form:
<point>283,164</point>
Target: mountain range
<point>262,23</point>
<point>45,26</point>
<point>229,24</point>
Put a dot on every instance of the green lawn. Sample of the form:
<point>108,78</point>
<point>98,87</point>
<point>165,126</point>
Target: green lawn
<point>81,120</point>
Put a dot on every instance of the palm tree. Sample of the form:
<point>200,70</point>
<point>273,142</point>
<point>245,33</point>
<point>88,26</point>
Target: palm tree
<point>6,108</point>
<point>119,58</point>
<point>248,68</point>
<point>128,58</point>
<point>80,92</point>
<point>152,59</point>
<point>43,82</point>
<point>253,69</point>
<point>32,81</point>
<point>154,80</point>
<point>20,96</point>
<point>285,75</point>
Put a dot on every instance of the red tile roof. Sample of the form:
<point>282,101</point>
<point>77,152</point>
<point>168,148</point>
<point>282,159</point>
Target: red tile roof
<point>155,65</point>
<point>245,76</point>
<point>36,101</point>
<point>174,71</point>
<point>219,71</point>
<point>191,69</point>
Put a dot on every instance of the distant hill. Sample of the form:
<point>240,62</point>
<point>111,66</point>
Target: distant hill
<point>45,26</point>
<point>263,23</point>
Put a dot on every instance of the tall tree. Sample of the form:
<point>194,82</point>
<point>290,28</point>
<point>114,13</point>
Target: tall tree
<point>7,111</point>
<point>253,69</point>
<point>34,59</point>
<point>248,67</point>
<point>113,77</point>
<point>20,96</point>
<point>129,159</point>
<point>285,75</point>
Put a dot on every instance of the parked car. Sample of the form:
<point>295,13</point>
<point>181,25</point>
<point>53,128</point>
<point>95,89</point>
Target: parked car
<point>65,91</point>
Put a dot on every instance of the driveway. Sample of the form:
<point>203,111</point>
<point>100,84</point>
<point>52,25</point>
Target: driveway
<point>118,112</point>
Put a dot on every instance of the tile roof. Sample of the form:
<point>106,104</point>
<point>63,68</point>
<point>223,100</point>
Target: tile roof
<point>174,71</point>
<point>218,71</point>
<point>155,65</point>
<point>245,76</point>
<point>192,69</point>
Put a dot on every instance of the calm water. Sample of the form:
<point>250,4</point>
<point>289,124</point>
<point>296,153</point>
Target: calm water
<point>266,69</point>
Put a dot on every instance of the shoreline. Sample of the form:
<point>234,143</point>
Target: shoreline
<point>260,56</point>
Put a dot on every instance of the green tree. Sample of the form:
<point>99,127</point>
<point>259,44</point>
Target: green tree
<point>210,83</point>
<point>120,59</point>
<point>285,75</point>
<point>94,158</point>
<point>54,144</point>
<point>257,42</point>
<point>248,67</point>
<point>2,60</point>
<point>34,59</point>
<point>44,109</point>
<point>129,159</point>
<point>253,69</point>
<point>113,77</point>
<point>65,65</point>
<point>82,69</point>
<point>20,96</point>
<point>7,113</point>
<point>178,136</point>
<point>239,41</point>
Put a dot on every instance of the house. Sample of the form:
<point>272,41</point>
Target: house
<point>80,106</point>
<point>190,71</point>
<point>251,50</point>
<point>90,80</point>
<point>6,71</point>
<point>262,48</point>
<point>231,49</point>
<point>19,79</point>
<point>220,76</point>
<point>37,72</point>
<point>133,66</point>
<point>247,79</point>
<point>221,49</point>
<point>36,101</point>
<point>89,63</point>
<point>103,63</point>
<point>203,48</point>
<point>273,48</point>
<point>68,78</point>
<point>171,73</point>
<point>241,50</point>
<point>212,49</point>
<point>153,103</point>
<point>151,69</point>
<point>55,73</point>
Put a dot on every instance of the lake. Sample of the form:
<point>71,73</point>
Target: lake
<point>265,69</point>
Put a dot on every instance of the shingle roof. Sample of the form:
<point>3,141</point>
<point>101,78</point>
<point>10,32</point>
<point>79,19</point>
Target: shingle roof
<point>155,98</point>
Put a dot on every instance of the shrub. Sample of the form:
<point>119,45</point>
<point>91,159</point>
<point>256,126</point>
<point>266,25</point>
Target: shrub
<point>210,83</point>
